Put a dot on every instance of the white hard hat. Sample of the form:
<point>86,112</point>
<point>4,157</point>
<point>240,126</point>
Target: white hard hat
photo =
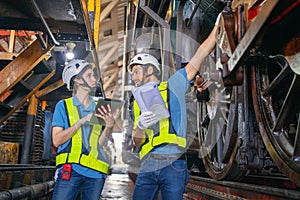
<point>72,69</point>
<point>143,59</point>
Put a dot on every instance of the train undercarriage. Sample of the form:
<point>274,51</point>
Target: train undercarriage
<point>250,121</point>
<point>243,114</point>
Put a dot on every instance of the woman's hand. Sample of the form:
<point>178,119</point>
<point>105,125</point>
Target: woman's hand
<point>106,114</point>
<point>83,120</point>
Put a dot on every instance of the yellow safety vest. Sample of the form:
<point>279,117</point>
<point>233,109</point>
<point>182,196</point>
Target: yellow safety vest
<point>75,155</point>
<point>164,137</point>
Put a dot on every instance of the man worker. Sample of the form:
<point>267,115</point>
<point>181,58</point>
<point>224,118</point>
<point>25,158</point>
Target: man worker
<point>162,144</point>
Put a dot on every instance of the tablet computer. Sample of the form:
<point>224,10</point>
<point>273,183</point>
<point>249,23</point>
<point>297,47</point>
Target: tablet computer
<point>114,105</point>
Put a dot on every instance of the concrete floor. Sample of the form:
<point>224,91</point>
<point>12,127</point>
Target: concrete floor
<point>118,185</point>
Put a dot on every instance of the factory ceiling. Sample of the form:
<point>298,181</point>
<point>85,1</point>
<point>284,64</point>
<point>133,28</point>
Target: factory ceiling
<point>91,29</point>
<point>35,37</point>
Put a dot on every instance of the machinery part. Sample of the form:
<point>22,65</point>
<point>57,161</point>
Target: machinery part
<point>275,91</point>
<point>218,130</point>
<point>31,191</point>
<point>265,188</point>
<point>154,13</point>
<point>193,13</point>
<point>189,35</point>
<point>28,134</point>
<point>193,26</point>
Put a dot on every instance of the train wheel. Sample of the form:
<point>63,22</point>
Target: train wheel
<point>275,91</point>
<point>218,131</point>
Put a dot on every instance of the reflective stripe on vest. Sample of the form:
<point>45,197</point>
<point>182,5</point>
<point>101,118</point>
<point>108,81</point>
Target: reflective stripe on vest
<point>75,155</point>
<point>164,136</point>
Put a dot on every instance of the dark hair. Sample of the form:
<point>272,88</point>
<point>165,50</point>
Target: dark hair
<point>155,71</point>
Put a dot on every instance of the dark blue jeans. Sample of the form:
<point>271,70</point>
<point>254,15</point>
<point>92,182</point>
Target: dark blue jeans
<point>91,188</point>
<point>170,179</point>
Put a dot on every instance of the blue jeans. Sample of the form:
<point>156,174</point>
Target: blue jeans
<point>91,188</point>
<point>170,179</point>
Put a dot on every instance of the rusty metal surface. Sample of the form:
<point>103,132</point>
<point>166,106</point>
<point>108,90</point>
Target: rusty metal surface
<point>277,112</point>
<point>200,187</point>
<point>251,33</point>
<point>14,176</point>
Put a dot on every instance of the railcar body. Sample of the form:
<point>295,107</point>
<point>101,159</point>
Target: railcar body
<point>245,119</point>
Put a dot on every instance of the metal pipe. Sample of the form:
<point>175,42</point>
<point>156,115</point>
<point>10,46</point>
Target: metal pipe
<point>193,13</point>
<point>145,20</point>
<point>151,14</point>
<point>45,23</point>
<point>135,20</point>
<point>126,53</point>
<point>28,135</point>
<point>28,192</point>
<point>91,42</point>
<point>23,167</point>
<point>159,10</point>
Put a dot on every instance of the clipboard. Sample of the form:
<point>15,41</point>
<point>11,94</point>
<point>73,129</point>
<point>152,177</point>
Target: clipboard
<point>149,98</point>
<point>114,105</point>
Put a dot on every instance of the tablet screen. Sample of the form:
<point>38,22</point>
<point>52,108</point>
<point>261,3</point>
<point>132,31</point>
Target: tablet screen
<point>114,105</point>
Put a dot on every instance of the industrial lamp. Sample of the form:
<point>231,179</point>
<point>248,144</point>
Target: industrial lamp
<point>70,47</point>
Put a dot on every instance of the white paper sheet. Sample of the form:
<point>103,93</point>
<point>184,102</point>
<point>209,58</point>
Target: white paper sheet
<point>149,98</point>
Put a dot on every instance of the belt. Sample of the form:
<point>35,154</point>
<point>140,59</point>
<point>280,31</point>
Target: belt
<point>166,156</point>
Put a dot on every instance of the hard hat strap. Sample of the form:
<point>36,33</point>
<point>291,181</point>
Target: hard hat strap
<point>85,84</point>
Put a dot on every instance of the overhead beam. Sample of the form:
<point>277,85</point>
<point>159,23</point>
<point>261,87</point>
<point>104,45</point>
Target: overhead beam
<point>56,26</point>
<point>112,77</point>
<point>8,56</point>
<point>28,59</point>
<point>108,43</point>
<point>49,88</point>
<point>27,96</point>
<point>18,33</point>
<point>108,9</point>
<point>110,70</point>
<point>11,41</point>
<point>108,56</point>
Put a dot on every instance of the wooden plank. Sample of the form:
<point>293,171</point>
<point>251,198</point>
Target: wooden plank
<point>114,17</point>
<point>112,77</point>
<point>49,88</point>
<point>113,92</point>
<point>11,41</point>
<point>108,9</point>
<point>110,70</point>
<point>109,43</point>
<point>27,96</point>
<point>108,57</point>
<point>8,56</point>
<point>18,33</point>
<point>21,66</point>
